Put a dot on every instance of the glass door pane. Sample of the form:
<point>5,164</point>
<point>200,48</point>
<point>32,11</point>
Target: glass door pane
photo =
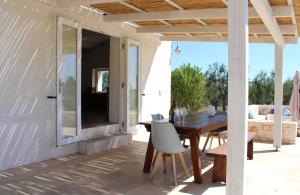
<point>67,81</point>
<point>133,85</point>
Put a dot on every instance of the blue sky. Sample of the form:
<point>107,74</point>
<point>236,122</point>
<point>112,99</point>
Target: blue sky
<point>261,56</point>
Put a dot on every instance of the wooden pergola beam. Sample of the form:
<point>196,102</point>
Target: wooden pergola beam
<point>215,38</point>
<point>225,2</point>
<point>70,3</point>
<point>218,13</point>
<point>174,4</point>
<point>267,15</point>
<point>290,3</point>
<point>256,28</point>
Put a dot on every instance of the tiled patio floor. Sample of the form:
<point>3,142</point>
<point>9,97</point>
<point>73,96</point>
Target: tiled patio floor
<point>120,172</point>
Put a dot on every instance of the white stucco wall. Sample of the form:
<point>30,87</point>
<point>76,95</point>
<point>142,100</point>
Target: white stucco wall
<point>28,76</point>
<point>156,82</point>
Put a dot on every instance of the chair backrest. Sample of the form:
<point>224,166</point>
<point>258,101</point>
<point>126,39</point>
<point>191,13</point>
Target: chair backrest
<point>165,138</point>
<point>157,117</point>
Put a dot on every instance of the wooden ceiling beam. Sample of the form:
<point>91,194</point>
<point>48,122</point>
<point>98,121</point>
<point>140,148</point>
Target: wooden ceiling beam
<point>142,11</point>
<point>254,28</point>
<point>132,6</point>
<point>216,38</point>
<point>171,2</point>
<point>266,13</point>
<point>225,2</point>
<point>174,4</point>
<point>294,21</point>
<point>218,13</point>
<point>201,21</point>
<point>70,3</point>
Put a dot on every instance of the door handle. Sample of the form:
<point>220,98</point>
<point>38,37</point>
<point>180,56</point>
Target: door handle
<point>51,97</point>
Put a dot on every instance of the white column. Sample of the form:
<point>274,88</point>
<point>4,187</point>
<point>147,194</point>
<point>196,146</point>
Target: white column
<point>237,95</point>
<point>277,131</point>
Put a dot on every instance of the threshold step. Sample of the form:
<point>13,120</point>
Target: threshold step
<point>105,142</point>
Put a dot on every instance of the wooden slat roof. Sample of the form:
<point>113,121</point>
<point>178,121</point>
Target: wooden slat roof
<point>163,5</point>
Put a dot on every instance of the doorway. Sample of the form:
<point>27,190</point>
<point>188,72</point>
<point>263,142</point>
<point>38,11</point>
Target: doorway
<point>95,73</point>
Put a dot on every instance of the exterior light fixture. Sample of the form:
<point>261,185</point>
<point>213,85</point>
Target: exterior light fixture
<point>177,50</point>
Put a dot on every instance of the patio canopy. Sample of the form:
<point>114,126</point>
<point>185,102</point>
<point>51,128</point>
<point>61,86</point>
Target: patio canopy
<point>200,20</point>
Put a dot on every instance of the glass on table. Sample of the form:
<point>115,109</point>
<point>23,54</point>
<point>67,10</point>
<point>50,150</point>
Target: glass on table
<point>177,115</point>
<point>183,114</point>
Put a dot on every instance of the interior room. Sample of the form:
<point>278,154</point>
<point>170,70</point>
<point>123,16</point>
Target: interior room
<point>95,78</point>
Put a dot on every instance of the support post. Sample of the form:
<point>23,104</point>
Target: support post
<point>277,131</point>
<point>237,95</point>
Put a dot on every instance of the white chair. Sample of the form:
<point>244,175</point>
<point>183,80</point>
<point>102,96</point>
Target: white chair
<point>165,140</point>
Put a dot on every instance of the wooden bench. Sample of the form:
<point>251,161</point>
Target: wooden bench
<point>220,153</point>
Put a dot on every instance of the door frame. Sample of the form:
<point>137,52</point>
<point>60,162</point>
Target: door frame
<point>60,22</point>
<point>127,42</point>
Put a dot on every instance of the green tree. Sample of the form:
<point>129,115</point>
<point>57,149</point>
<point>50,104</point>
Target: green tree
<point>217,84</point>
<point>105,80</point>
<point>188,87</point>
<point>261,89</point>
<point>287,91</point>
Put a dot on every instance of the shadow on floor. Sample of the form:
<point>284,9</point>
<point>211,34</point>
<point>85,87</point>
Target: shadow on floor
<point>265,151</point>
<point>113,172</point>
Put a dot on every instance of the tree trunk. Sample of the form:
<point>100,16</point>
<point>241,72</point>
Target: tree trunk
<point>224,103</point>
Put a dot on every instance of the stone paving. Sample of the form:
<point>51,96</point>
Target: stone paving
<point>119,171</point>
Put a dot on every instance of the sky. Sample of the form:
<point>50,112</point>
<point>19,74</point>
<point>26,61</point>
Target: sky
<point>261,56</point>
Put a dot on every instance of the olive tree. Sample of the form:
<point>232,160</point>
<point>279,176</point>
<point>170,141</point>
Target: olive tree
<point>217,85</point>
<point>188,87</point>
<point>261,88</point>
<point>287,91</point>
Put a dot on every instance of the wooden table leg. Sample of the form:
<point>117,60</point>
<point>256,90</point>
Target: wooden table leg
<point>250,150</point>
<point>149,156</point>
<point>195,154</point>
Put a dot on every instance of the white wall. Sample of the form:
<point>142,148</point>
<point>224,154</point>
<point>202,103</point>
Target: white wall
<point>156,81</point>
<point>28,75</point>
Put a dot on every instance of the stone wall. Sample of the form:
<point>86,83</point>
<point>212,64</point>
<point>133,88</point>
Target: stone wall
<point>264,130</point>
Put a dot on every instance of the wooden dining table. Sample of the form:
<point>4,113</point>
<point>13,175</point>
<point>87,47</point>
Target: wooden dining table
<point>193,126</point>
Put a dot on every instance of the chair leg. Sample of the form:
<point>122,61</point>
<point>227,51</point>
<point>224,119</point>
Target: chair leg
<point>211,141</point>
<point>156,164</point>
<point>223,138</point>
<point>206,142</point>
<point>219,139</point>
<point>174,169</point>
<point>180,155</point>
<point>165,164</point>
<point>154,158</point>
